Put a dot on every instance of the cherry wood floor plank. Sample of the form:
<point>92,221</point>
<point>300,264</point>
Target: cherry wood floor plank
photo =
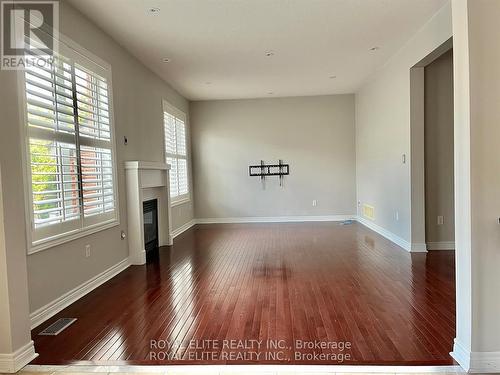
<point>270,284</point>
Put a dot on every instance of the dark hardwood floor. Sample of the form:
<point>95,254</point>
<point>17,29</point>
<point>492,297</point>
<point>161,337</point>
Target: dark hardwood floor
<point>281,285</point>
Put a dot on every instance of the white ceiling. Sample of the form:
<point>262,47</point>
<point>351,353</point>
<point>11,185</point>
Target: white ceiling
<point>217,47</point>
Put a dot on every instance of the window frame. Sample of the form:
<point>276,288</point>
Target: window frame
<point>70,49</point>
<point>176,112</point>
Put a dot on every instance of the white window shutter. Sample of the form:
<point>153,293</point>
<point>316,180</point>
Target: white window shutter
<point>70,148</point>
<point>176,153</point>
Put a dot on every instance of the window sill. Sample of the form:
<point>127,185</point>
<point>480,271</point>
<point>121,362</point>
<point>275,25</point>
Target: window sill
<point>180,201</point>
<point>68,237</point>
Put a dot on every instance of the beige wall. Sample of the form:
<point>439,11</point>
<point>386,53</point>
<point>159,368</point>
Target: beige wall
<point>137,94</point>
<point>13,251</point>
<point>484,59</point>
<point>476,60</point>
<point>383,130</point>
<point>315,135</point>
<point>462,148</point>
<point>439,190</point>
<point>14,318</point>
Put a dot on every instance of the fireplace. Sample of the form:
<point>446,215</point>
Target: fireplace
<point>147,180</point>
<point>150,214</point>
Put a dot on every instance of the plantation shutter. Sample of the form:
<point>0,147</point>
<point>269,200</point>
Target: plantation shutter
<point>95,144</point>
<point>70,148</point>
<point>176,152</point>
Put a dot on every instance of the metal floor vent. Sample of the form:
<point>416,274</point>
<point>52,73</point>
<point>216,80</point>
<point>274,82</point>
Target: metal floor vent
<point>57,327</point>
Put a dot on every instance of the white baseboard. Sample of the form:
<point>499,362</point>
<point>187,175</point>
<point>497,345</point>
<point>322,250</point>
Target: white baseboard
<point>137,258</point>
<point>461,355</point>
<point>476,362</point>
<point>272,219</point>
<point>419,247</point>
<point>485,362</point>
<point>391,236</point>
<point>42,314</point>
<point>13,362</point>
<point>182,229</point>
<point>442,245</point>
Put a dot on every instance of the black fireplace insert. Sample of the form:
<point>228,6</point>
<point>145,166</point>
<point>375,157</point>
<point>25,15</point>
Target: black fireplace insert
<point>150,212</point>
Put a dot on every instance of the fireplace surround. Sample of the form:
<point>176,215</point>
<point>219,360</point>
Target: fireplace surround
<point>146,181</point>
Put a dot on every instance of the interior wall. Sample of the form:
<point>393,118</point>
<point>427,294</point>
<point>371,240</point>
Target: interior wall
<point>476,61</point>
<point>137,96</point>
<point>5,320</point>
<point>383,158</point>
<point>484,57</point>
<point>14,319</point>
<point>314,135</point>
<point>439,184</point>
<point>462,149</point>
<point>13,249</point>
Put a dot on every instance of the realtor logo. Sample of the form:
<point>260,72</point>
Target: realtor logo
<point>28,33</point>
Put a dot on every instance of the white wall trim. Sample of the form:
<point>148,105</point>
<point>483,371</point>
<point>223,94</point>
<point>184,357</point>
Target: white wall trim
<point>485,362</point>
<point>461,355</point>
<point>476,362</point>
<point>441,245</point>
<point>13,362</point>
<point>390,236</point>
<point>182,228</point>
<point>273,219</point>
<point>419,247</point>
<point>42,314</point>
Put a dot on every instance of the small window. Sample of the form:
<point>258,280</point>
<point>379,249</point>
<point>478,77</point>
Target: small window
<point>70,148</point>
<point>174,123</point>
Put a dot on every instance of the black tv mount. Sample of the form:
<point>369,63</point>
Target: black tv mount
<point>263,170</point>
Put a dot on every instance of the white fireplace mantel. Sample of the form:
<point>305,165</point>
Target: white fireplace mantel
<point>146,180</point>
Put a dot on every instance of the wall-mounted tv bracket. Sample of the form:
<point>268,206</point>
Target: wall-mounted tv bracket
<point>264,170</point>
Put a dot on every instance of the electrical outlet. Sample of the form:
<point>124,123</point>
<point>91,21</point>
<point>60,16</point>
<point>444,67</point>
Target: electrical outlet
<point>315,202</point>
<point>440,220</point>
<point>87,251</point>
<point>396,215</point>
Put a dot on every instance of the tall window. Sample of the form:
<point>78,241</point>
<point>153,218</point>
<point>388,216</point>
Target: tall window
<point>174,122</point>
<point>70,147</point>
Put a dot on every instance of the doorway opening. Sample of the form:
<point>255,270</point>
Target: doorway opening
<point>432,155</point>
<point>438,154</point>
